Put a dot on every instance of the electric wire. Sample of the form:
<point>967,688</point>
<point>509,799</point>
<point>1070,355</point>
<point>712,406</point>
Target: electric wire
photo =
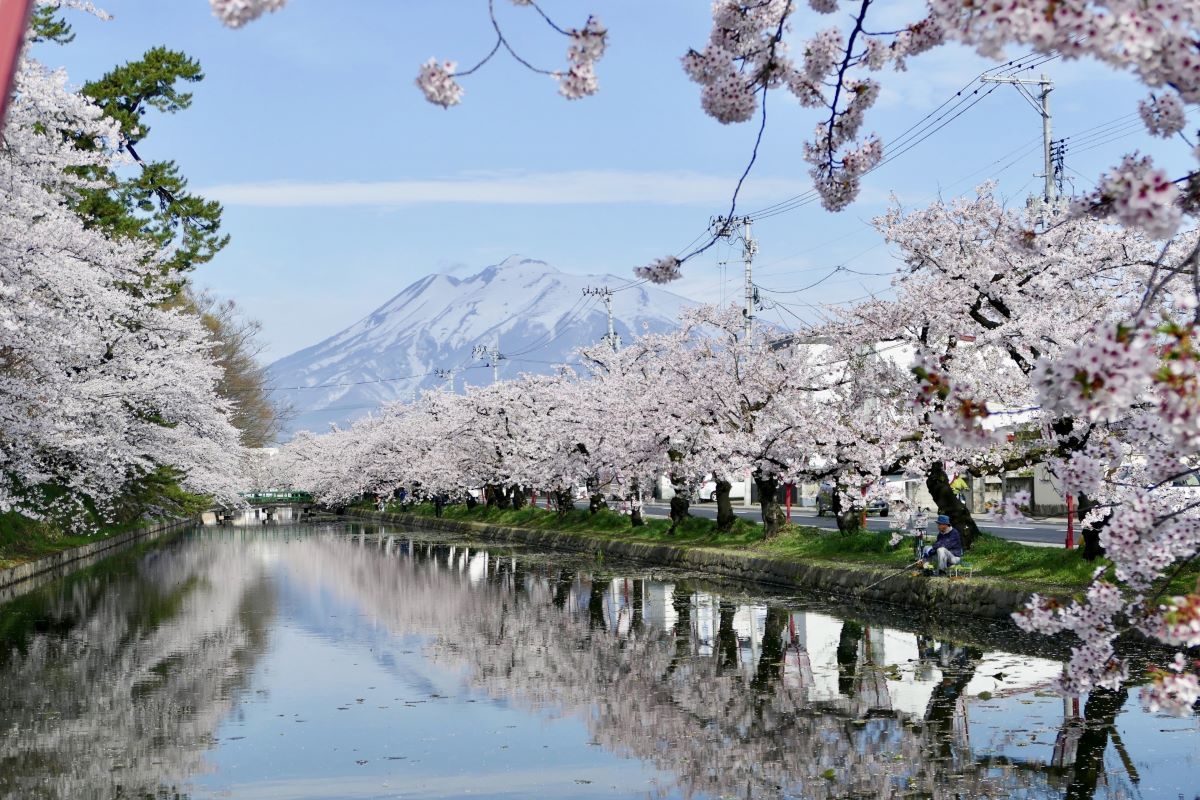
<point>959,103</point>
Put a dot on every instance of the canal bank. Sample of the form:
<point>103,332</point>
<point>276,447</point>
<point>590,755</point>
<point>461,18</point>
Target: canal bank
<point>974,596</point>
<point>16,581</point>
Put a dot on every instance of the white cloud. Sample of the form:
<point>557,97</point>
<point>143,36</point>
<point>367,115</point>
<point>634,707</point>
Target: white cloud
<point>584,187</point>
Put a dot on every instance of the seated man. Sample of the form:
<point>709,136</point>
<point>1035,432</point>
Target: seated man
<point>947,548</point>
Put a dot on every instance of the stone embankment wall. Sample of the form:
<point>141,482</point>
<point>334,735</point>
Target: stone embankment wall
<point>16,581</point>
<point>972,596</point>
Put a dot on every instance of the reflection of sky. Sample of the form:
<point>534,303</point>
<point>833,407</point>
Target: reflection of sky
<point>1163,750</point>
<point>377,659</point>
<point>303,718</point>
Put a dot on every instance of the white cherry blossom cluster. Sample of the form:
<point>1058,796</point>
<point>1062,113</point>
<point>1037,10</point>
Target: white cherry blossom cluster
<point>1080,473</point>
<point>1138,195</point>
<point>1093,662</point>
<point>436,81</point>
<point>1164,115</point>
<point>1102,376</point>
<point>1014,508</point>
<point>661,270</point>
<point>100,385</point>
<point>1157,41</point>
<point>821,55</point>
<point>586,48</point>
<point>743,54</point>
<point>236,13</point>
<point>1174,691</point>
<point>1178,622</point>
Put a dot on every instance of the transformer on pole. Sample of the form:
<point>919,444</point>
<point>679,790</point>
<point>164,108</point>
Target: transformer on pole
<point>738,228</point>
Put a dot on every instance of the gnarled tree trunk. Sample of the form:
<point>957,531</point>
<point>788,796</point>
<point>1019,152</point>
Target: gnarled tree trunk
<point>938,484</point>
<point>519,497</point>
<point>679,501</point>
<point>496,496</point>
<point>773,515</point>
<point>848,519</point>
<point>564,501</point>
<point>725,515</point>
<point>635,505</point>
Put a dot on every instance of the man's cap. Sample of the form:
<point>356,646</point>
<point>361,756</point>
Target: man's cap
<point>943,519</point>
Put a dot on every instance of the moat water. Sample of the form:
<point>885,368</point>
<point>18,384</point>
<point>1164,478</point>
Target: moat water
<point>351,661</point>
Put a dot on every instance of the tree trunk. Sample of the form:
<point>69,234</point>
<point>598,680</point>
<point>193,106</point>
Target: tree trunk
<point>503,501</point>
<point>679,502</point>
<point>564,500</point>
<point>471,501</point>
<point>849,519</point>
<point>635,505</point>
<point>938,484</point>
<point>1090,533</point>
<point>493,494</point>
<point>773,515</point>
<point>596,502</point>
<point>519,498</point>
<point>725,515</point>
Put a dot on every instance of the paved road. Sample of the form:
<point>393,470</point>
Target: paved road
<point>1031,532</point>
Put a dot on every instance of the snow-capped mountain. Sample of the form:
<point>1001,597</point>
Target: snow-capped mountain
<point>535,314</point>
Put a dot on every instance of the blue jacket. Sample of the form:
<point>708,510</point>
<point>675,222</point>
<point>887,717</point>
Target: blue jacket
<point>951,540</point>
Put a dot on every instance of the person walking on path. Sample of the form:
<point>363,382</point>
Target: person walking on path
<point>947,548</point>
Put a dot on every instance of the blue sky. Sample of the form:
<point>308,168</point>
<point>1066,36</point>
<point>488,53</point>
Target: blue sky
<point>342,185</point>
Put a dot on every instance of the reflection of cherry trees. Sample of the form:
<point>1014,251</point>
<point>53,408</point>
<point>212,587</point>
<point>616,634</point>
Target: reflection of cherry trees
<point>720,694</point>
<point>118,689</point>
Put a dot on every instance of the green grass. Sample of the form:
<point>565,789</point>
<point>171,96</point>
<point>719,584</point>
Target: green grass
<point>23,539</point>
<point>995,560</point>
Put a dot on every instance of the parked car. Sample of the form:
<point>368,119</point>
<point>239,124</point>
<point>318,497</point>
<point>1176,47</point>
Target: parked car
<point>876,505</point>
<point>707,491</point>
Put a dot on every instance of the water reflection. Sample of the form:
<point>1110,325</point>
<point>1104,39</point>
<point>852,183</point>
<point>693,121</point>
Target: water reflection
<point>112,682</point>
<point>723,695</point>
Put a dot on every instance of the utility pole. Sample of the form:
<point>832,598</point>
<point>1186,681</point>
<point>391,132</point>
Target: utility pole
<point>492,355</point>
<point>447,375</point>
<point>611,338</point>
<point>727,228</point>
<point>1041,104</point>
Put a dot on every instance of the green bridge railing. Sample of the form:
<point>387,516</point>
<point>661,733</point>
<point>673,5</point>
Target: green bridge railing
<point>267,498</point>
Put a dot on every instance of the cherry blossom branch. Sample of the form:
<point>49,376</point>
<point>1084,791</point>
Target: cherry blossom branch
<point>587,44</point>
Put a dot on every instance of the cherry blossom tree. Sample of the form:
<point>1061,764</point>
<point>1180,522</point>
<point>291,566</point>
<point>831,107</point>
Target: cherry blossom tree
<point>1111,374</point>
<point>102,385</point>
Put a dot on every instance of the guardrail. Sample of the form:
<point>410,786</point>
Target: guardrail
<point>268,498</point>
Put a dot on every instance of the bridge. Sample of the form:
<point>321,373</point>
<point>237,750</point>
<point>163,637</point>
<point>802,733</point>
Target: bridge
<point>264,506</point>
<point>274,498</point>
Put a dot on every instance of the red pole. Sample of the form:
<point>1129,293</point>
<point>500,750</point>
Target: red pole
<point>1070,521</point>
<point>864,511</point>
<point>788,496</point>
<point>14,19</point>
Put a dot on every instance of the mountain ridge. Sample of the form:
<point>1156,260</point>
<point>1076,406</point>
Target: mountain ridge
<point>534,312</point>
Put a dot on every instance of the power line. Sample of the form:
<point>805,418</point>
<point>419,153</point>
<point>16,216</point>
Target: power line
<point>941,116</point>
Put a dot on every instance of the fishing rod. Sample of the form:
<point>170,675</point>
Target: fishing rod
<point>893,574</point>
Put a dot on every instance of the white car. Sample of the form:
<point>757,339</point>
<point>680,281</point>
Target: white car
<point>707,492</point>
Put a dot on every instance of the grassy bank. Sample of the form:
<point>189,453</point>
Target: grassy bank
<point>23,539</point>
<point>994,560</point>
